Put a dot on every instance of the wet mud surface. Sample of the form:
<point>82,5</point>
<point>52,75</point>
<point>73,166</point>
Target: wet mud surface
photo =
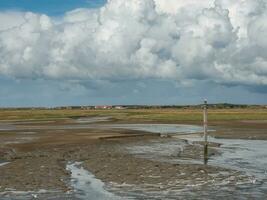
<point>132,164</point>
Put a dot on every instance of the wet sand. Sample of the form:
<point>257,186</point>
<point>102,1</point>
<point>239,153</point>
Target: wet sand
<point>38,157</point>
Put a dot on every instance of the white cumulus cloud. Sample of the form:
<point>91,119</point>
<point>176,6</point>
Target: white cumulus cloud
<point>223,41</point>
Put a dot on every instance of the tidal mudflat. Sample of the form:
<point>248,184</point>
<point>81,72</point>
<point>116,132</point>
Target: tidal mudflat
<point>83,157</point>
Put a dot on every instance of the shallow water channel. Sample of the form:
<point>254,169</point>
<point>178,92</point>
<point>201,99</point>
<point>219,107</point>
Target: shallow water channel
<point>247,156</point>
<point>85,185</point>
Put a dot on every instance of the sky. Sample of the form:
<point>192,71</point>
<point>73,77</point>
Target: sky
<point>95,52</point>
<point>49,7</point>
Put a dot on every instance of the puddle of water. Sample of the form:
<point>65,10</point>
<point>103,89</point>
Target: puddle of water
<point>2,163</point>
<point>85,185</point>
<point>6,127</point>
<point>159,128</point>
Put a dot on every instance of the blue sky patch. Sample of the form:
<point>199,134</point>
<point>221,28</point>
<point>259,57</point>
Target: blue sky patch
<point>49,7</point>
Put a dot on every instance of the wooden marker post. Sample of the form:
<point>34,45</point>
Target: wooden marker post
<point>205,123</point>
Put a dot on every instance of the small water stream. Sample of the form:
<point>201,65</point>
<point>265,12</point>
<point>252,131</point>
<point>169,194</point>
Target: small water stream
<point>85,185</point>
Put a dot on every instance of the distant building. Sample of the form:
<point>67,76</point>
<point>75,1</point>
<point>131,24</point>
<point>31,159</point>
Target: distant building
<point>103,107</point>
<point>119,107</point>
